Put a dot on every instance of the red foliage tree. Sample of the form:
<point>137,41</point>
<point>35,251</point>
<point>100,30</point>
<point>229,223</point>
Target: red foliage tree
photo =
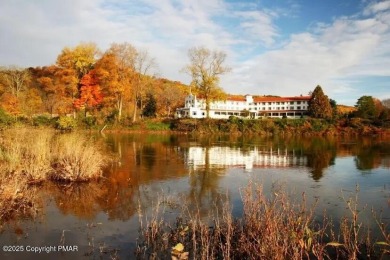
<point>90,93</point>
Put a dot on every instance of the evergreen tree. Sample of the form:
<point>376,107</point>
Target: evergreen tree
<point>366,107</point>
<point>319,105</point>
<point>150,106</point>
<point>333,104</point>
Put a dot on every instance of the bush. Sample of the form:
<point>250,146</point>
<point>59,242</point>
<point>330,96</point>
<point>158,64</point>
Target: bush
<point>43,120</point>
<point>157,126</point>
<point>76,158</point>
<point>89,121</point>
<point>5,119</point>
<point>66,123</point>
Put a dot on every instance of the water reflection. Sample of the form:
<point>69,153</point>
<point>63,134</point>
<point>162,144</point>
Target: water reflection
<point>81,200</point>
<point>321,154</point>
<point>205,171</point>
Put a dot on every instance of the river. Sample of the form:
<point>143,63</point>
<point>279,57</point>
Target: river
<point>101,220</point>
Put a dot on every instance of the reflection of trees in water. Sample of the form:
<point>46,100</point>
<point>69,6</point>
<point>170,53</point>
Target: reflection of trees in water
<point>321,153</point>
<point>141,161</point>
<point>79,199</point>
<point>370,153</point>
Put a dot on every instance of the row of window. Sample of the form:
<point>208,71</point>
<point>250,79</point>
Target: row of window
<point>255,103</point>
<point>263,108</point>
<point>266,103</point>
<point>258,114</point>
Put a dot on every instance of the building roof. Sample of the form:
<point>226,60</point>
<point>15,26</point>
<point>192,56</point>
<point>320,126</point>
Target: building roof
<point>266,98</point>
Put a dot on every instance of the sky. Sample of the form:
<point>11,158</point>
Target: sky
<point>274,47</point>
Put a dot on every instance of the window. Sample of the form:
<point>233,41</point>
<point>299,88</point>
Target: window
<point>269,103</point>
<point>291,108</point>
<point>194,113</point>
<point>292,103</point>
<point>202,113</point>
<point>298,107</point>
<point>217,113</point>
<point>230,113</point>
<point>298,102</point>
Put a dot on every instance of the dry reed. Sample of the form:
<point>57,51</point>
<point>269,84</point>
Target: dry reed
<point>76,158</point>
<point>271,227</point>
<point>30,156</point>
<point>42,154</point>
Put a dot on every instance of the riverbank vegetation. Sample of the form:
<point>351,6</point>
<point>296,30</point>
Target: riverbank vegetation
<point>270,227</point>
<point>29,157</point>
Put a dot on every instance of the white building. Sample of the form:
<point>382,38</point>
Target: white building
<point>245,106</point>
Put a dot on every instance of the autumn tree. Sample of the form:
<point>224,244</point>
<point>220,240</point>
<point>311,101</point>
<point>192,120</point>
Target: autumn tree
<point>10,103</point>
<point>90,94</point>
<point>144,63</point>
<point>73,64</point>
<point>319,104</point>
<point>32,102</point>
<point>55,94</point>
<point>366,107</point>
<point>116,72</point>
<point>170,95</point>
<point>80,59</point>
<point>205,68</point>
<point>14,79</point>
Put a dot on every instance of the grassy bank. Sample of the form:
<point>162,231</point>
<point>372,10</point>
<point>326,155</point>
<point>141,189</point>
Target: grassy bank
<point>268,126</point>
<point>271,227</point>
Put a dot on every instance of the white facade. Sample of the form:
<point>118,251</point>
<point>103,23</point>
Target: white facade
<point>248,106</point>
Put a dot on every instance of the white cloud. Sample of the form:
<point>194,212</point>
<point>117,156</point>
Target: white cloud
<point>376,7</point>
<point>332,55</point>
<point>258,26</point>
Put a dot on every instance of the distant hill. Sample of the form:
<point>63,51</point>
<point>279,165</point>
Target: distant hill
<point>342,109</point>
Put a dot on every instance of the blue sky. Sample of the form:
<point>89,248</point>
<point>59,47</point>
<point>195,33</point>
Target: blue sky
<point>274,47</point>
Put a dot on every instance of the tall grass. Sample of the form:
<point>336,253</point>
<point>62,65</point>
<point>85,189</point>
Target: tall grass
<point>76,157</point>
<point>39,155</point>
<point>29,156</point>
<point>25,152</point>
<point>271,227</point>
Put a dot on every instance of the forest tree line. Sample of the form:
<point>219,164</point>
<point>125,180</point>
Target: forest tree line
<point>113,85</point>
<point>119,85</point>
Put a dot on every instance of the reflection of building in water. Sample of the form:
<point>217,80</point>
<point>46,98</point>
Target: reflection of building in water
<point>248,159</point>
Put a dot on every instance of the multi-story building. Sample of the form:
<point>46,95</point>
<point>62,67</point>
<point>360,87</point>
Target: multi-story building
<point>245,106</point>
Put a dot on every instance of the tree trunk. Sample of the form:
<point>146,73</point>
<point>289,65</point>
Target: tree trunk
<point>135,110</point>
<point>120,105</point>
<point>207,108</point>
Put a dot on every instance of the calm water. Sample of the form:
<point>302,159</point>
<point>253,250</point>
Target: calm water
<point>102,218</point>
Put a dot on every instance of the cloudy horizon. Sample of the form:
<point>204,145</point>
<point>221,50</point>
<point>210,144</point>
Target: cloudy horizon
<point>273,48</point>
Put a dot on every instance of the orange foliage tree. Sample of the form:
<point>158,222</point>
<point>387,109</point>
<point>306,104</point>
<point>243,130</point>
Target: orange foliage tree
<point>90,93</point>
<point>10,103</point>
